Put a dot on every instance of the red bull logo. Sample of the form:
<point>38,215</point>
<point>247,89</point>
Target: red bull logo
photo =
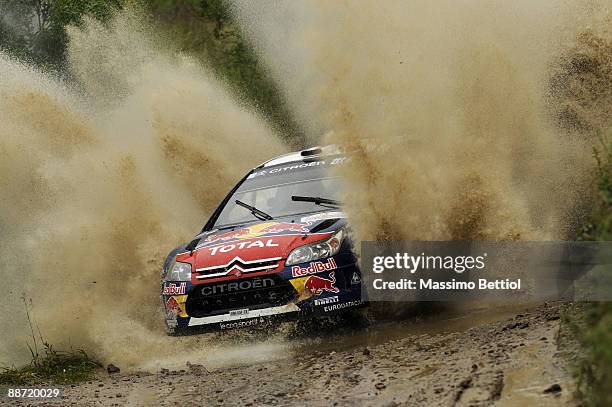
<point>173,308</point>
<point>257,230</point>
<point>317,285</point>
<point>315,267</point>
<point>174,289</point>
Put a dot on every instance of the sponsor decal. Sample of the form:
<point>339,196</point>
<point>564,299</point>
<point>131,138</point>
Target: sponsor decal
<point>173,289</point>
<point>237,286</point>
<point>299,286</point>
<point>240,324</point>
<point>280,170</point>
<point>326,300</point>
<point>239,312</point>
<point>313,268</point>
<point>258,230</point>
<point>336,307</point>
<point>253,313</point>
<point>242,245</point>
<point>288,227</point>
<point>317,285</point>
<point>323,216</point>
<point>339,160</point>
<point>173,308</point>
<point>355,279</point>
<point>294,167</point>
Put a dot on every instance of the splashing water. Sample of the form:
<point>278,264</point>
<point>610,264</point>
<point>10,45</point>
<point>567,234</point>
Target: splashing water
<point>97,186</point>
<point>454,91</point>
<point>100,180</point>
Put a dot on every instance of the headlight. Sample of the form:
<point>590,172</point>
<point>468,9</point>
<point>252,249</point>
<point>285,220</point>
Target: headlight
<point>179,272</point>
<point>316,251</point>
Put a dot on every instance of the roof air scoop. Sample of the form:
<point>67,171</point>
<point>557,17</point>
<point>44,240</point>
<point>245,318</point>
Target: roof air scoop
<point>311,151</point>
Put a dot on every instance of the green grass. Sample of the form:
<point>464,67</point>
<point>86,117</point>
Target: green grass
<point>52,366</point>
<point>49,365</point>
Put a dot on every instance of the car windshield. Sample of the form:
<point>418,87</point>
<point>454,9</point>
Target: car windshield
<point>270,190</point>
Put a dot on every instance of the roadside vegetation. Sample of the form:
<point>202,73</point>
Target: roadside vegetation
<point>48,365</point>
<point>51,366</point>
<point>207,29</point>
<point>581,98</point>
<point>591,323</point>
<point>35,31</point>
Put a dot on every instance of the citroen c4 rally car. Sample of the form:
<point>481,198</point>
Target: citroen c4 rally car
<point>277,246</point>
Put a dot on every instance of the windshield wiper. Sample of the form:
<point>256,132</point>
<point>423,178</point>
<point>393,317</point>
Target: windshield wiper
<point>316,200</point>
<point>261,215</point>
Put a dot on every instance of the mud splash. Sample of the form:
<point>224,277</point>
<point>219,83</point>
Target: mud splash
<point>581,81</point>
<point>100,179</point>
<point>456,95</point>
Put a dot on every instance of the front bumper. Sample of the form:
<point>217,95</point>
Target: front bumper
<point>305,290</point>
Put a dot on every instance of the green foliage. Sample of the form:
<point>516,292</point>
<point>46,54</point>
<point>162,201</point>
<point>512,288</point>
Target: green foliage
<point>600,226</point>
<point>52,366</point>
<point>34,30</point>
<point>592,322</point>
<point>595,378</point>
<point>66,12</point>
<point>207,29</point>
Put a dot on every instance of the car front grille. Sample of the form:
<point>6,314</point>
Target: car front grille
<point>251,292</point>
<point>238,265</point>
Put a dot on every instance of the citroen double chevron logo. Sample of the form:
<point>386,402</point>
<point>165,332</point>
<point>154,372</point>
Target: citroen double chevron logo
<point>239,266</point>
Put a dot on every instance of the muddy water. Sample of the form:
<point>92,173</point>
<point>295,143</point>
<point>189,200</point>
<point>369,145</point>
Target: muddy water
<point>475,356</point>
<point>446,319</point>
<point>533,371</point>
<point>98,182</point>
<point>297,340</point>
<point>455,92</point>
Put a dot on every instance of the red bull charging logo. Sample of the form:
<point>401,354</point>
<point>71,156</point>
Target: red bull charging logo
<point>261,229</point>
<point>317,285</point>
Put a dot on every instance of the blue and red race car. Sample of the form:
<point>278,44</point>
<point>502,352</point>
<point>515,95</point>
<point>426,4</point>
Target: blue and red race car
<point>277,246</point>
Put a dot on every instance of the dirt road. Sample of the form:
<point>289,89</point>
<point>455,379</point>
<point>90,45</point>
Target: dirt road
<point>477,358</point>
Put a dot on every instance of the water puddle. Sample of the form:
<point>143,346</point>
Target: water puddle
<point>452,318</point>
<point>300,339</point>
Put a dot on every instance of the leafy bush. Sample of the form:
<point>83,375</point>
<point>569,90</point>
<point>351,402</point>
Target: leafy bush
<point>600,227</point>
<point>207,29</point>
<point>592,322</point>
<point>34,31</point>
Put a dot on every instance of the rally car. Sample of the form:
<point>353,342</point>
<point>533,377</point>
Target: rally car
<point>278,246</point>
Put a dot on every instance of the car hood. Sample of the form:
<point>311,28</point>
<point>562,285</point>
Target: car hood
<point>258,247</point>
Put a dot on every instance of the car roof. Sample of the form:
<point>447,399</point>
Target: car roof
<point>302,155</point>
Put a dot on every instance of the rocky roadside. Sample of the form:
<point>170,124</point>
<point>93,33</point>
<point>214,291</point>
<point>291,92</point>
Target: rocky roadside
<point>516,361</point>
